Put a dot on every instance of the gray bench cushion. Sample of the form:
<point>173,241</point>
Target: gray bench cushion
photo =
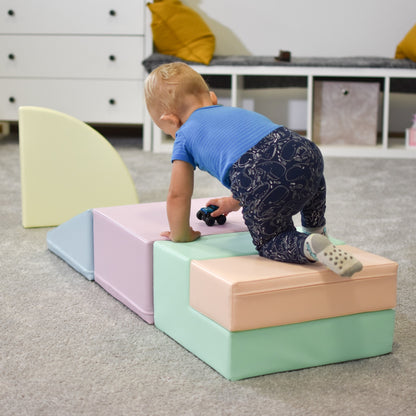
<point>258,81</point>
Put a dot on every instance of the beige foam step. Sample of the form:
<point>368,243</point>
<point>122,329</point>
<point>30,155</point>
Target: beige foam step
<point>249,292</point>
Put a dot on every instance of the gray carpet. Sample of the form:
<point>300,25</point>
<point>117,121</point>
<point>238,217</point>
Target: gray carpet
<point>69,348</point>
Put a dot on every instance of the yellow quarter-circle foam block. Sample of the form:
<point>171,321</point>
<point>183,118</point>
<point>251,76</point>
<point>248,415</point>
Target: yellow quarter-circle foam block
<point>67,167</point>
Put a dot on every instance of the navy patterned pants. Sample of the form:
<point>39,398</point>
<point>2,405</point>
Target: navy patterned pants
<point>279,177</point>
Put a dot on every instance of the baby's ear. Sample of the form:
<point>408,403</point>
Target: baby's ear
<point>213,97</point>
<point>171,119</point>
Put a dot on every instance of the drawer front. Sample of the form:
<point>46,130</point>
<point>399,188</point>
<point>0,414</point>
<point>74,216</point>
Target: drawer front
<point>75,16</point>
<point>88,100</point>
<point>71,56</point>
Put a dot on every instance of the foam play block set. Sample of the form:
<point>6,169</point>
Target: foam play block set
<point>123,248</point>
<point>291,338</point>
<point>243,315</point>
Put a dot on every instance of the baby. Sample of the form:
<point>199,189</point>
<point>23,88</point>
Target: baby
<point>272,172</point>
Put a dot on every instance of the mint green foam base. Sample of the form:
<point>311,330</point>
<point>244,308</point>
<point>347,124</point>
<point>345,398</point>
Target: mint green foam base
<point>239,355</point>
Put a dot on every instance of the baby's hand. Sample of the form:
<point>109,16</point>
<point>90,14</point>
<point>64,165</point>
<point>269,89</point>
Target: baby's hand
<point>225,205</point>
<point>165,234</point>
<point>190,236</point>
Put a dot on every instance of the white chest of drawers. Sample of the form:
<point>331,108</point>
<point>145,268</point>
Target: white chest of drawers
<point>81,57</point>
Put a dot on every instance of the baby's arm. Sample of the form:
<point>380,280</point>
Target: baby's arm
<point>178,203</point>
<point>225,205</point>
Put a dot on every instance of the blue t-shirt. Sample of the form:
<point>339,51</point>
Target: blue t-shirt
<point>215,137</point>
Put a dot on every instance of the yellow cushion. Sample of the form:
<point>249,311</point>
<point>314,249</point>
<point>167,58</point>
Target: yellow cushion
<point>406,49</point>
<point>181,32</point>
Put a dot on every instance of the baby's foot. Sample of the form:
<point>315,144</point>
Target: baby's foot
<point>319,248</point>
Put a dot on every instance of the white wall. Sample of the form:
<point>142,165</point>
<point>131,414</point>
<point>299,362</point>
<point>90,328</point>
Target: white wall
<point>325,28</point>
<point>307,27</point>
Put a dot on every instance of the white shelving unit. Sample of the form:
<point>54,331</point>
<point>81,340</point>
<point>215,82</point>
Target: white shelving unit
<point>157,141</point>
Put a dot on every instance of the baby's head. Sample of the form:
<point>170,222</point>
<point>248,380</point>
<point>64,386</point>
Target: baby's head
<point>168,88</point>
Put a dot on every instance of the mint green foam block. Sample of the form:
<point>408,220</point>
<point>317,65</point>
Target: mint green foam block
<point>243,354</point>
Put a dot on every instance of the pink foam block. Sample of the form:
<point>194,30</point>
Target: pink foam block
<point>123,248</point>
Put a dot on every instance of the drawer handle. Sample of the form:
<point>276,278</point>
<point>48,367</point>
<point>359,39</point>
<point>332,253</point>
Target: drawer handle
<point>112,12</point>
<point>112,58</point>
<point>10,12</point>
<point>12,100</point>
<point>112,101</point>
<point>11,56</point>
<point>345,92</point>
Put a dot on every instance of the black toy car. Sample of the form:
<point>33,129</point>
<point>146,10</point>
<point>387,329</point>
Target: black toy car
<point>204,214</point>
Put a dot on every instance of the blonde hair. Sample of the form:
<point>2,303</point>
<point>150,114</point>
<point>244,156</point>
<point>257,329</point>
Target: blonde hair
<point>167,86</point>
